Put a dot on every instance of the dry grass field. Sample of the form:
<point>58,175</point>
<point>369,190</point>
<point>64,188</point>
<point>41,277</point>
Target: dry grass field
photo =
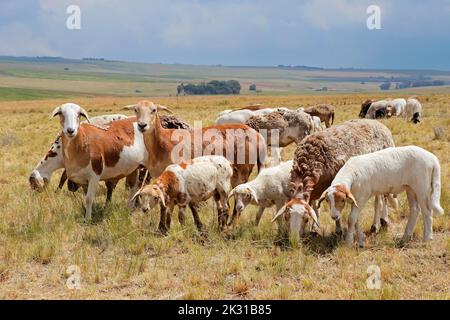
<point>120,255</point>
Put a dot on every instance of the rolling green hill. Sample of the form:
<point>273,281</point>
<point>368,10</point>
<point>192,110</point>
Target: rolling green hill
<point>58,77</point>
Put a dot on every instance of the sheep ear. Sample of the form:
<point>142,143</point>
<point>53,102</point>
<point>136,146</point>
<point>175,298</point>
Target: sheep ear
<point>352,198</point>
<point>56,112</point>
<point>322,197</point>
<point>160,107</point>
<point>253,194</point>
<point>161,197</point>
<point>279,213</point>
<point>313,215</point>
<point>231,194</point>
<point>129,107</point>
<point>85,114</point>
<point>136,195</point>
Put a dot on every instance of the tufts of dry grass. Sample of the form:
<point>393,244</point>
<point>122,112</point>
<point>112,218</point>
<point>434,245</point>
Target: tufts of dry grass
<point>121,256</point>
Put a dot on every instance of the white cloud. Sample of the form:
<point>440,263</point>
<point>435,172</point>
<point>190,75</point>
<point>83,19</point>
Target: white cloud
<point>20,40</point>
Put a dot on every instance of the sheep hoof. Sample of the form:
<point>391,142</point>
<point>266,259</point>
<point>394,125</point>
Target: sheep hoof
<point>384,224</point>
<point>373,229</point>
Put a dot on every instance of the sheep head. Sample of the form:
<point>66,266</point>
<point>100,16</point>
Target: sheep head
<point>337,195</point>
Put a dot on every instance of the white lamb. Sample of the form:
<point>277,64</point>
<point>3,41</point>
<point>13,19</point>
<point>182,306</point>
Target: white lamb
<point>270,187</point>
<point>393,170</point>
<point>413,110</point>
<point>396,107</point>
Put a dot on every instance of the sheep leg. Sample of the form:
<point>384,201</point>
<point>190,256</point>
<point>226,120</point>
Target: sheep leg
<point>90,195</point>
<point>360,235</point>
<point>259,215</point>
<point>352,222</point>
<point>162,221</point>
<point>327,122</point>
<point>62,180</point>
<point>169,216</point>
<point>197,220</point>
<point>376,217</point>
<point>181,217</point>
<point>384,220</point>
<point>110,186</point>
<point>427,219</point>
<point>222,214</point>
<point>413,214</point>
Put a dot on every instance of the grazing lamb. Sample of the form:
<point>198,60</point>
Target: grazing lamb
<point>92,154</point>
<point>242,115</point>
<point>188,184</point>
<point>378,106</point>
<point>291,126</point>
<point>393,170</point>
<point>320,156</point>
<point>413,110</point>
<point>270,187</point>
<point>324,111</point>
<point>396,107</point>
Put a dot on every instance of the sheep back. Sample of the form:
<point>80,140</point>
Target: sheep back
<point>321,155</point>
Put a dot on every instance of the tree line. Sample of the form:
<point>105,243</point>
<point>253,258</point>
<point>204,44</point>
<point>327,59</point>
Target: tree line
<point>211,87</point>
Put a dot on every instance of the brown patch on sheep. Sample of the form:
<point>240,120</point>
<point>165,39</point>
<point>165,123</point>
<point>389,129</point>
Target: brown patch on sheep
<point>365,107</point>
<point>282,121</point>
<point>324,111</point>
<point>320,156</point>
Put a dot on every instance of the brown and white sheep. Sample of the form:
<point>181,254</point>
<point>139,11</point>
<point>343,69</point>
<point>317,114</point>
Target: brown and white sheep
<point>241,145</point>
<point>324,111</point>
<point>290,126</point>
<point>320,156</point>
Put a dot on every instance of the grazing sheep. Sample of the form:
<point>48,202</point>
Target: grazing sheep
<point>396,107</point>
<point>378,106</point>
<point>319,157</point>
<point>365,107</point>
<point>242,115</point>
<point>188,184</point>
<point>413,110</point>
<point>393,170</point>
<point>291,126</point>
<point>270,187</point>
<point>324,111</point>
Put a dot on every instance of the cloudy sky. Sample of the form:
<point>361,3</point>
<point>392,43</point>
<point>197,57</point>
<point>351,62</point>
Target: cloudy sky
<point>329,33</point>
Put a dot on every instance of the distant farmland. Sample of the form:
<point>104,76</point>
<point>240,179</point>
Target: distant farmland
<point>38,78</point>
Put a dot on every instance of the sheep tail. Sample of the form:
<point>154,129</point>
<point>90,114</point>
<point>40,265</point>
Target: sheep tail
<point>436,190</point>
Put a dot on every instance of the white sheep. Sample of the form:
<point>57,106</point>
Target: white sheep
<point>241,116</point>
<point>188,184</point>
<point>270,187</point>
<point>413,110</point>
<point>396,107</point>
<point>393,170</point>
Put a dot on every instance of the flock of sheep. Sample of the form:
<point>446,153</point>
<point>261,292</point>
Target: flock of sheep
<point>344,163</point>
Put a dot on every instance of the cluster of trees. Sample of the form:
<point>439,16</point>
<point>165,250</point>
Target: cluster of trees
<point>211,87</point>
<point>419,83</point>
<point>412,84</point>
